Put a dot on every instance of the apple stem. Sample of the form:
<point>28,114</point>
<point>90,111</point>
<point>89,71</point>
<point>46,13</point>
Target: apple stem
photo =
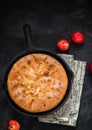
<point>78,34</point>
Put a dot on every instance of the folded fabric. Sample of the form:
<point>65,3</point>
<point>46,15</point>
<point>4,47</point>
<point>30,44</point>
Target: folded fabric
<point>68,114</point>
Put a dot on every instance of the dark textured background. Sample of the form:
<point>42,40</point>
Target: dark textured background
<point>50,21</point>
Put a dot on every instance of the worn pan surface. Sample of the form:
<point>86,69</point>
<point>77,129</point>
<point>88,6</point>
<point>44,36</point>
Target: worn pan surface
<point>29,50</point>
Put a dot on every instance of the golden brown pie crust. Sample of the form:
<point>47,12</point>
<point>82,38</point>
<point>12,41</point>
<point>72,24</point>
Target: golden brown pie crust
<point>37,82</point>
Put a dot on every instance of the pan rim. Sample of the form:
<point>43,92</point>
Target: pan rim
<point>69,72</point>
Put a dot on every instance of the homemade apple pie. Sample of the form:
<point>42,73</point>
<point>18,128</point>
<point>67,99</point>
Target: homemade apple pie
<point>37,82</point>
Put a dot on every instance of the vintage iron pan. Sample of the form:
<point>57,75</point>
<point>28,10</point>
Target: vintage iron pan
<point>29,50</point>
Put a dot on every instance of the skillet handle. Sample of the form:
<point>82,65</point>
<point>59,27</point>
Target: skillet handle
<point>28,37</point>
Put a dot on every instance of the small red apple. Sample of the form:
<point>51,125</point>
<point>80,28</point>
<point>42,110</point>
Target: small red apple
<point>13,125</point>
<point>90,68</point>
<point>63,44</point>
<point>77,37</point>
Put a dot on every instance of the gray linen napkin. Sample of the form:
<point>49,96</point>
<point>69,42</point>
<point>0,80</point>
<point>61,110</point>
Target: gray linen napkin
<point>68,114</point>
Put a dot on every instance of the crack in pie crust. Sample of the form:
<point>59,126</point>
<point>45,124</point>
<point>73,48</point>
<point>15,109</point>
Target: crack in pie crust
<point>37,82</point>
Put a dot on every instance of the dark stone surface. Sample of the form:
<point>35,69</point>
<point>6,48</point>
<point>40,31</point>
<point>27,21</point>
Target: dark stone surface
<point>50,21</point>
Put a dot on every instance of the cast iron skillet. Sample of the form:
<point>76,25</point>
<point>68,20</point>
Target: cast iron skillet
<point>29,50</point>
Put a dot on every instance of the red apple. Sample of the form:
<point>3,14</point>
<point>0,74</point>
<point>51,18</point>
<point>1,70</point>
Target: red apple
<point>90,68</point>
<point>13,125</point>
<point>77,37</point>
<point>63,44</point>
